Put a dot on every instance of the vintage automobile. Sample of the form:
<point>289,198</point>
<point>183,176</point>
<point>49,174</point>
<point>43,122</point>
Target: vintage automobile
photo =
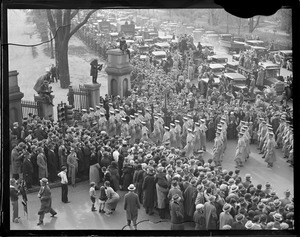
<point>271,75</point>
<point>211,37</point>
<point>215,84</point>
<point>226,41</point>
<point>142,49</point>
<point>238,81</point>
<point>161,46</point>
<point>260,51</point>
<point>236,57</point>
<point>159,56</point>
<point>232,66</point>
<point>216,68</point>
<point>258,43</point>
<point>114,36</point>
<point>208,46</point>
<point>220,59</point>
<point>285,56</point>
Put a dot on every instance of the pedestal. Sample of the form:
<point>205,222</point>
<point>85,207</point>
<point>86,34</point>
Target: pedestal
<point>45,109</point>
<point>93,93</point>
<point>118,70</point>
<point>15,96</point>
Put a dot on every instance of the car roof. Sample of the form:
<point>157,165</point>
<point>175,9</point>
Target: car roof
<point>157,53</point>
<point>164,44</point>
<point>218,56</point>
<point>233,63</point>
<point>286,51</point>
<point>257,47</point>
<point>216,65</point>
<point>141,46</point>
<point>114,34</point>
<point>212,35</point>
<point>255,41</point>
<point>234,75</point>
<point>269,65</point>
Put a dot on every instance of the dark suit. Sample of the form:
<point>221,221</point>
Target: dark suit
<point>52,165</point>
<point>131,205</point>
<point>28,172</point>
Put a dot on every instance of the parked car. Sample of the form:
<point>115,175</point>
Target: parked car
<point>220,59</point>
<point>232,66</point>
<point>216,68</point>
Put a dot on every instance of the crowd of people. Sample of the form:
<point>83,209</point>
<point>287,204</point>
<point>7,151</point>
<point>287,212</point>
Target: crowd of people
<point>155,138</point>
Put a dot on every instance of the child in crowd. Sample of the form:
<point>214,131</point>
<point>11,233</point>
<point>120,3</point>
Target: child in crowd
<point>102,199</point>
<point>93,195</point>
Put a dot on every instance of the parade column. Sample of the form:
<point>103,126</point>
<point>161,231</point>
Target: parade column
<point>93,94</point>
<point>15,96</point>
<point>118,70</point>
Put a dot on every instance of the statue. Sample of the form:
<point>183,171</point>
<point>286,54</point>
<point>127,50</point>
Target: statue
<point>95,67</point>
<point>124,47</point>
<point>43,89</point>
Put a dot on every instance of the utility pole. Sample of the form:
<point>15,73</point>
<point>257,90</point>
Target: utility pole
<point>51,48</point>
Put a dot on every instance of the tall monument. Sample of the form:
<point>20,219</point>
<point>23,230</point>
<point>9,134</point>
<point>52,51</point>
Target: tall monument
<point>118,70</point>
<point>15,96</point>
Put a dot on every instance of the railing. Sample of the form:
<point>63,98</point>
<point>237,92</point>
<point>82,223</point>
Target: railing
<point>29,107</point>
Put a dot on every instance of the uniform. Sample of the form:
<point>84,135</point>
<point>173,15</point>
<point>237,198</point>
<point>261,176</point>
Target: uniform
<point>85,120</point>
<point>112,128</point>
<point>217,150</point>
<point>178,135</point>
<point>189,144</point>
<point>203,130</point>
<point>132,132</point>
<point>173,141</point>
<point>102,123</point>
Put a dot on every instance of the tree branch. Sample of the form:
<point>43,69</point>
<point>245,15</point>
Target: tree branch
<point>74,13</point>
<point>82,23</point>
<point>257,22</point>
<point>51,22</point>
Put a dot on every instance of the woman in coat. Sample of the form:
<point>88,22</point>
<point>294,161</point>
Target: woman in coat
<point>199,217</point>
<point>210,214</point>
<point>94,167</point>
<point>42,163</point>
<point>114,171</point>
<point>72,165</point>
<point>162,189</point>
<point>112,198</point>
<point>149,191</point>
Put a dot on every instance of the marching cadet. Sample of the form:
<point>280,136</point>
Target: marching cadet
<point>147,118</point>
<point>173,142</point>
<point>102,109</point>
<point>270,155</point>
<point>189,143</point>
<point>97,113</point>
<point>156,137</point>
<point>145,132</point>
<point>166,137</point>
<point>190,121</point>
<point>203,130</point>
<point>264,149</point>
<point>279,131</point>
<point>178,134</point>
<point>251,132</point>
<point>94,127</point>
<point>220,128</point>
<point>138,128</point>
<point>85,118</point>
<point>261,135</point>
<point>246,137</point>
<point>217,149</point>
<point>102,122</point>
<point>161,125</point>
<point>140,115</point>
<point>184,131</point>
<point>224,129</point>
<point>112,124</point>
<point>118,122</point>
<point>197,141</point>
<point>92,116</point>
<point>240,151</point>
<point>287,139</point>
<point>122,112</point>
<point>124,128</point>
<point>110,107</point>
<point>132,132</point>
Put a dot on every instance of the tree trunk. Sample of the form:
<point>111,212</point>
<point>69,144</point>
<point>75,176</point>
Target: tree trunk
<point>63,65</point>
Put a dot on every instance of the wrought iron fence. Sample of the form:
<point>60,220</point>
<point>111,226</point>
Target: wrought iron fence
<point>29,107</point>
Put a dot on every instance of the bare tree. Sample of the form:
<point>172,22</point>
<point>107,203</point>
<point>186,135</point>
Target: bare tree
<point>252,24</point>
<point>62,18</point>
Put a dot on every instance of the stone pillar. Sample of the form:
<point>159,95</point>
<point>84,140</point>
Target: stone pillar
<point>93,94</point>
<point>45,109</point>
<point>15,96</point>
<point>118,70</point>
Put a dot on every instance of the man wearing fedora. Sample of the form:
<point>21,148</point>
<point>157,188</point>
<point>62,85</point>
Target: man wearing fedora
<point>131,206</point>
<point>46,200</point>
<point>225,217</point>
<point>238,224</point>
<point>177,213</point>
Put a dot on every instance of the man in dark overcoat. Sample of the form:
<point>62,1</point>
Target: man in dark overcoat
<point>131,205</point>
<point>149,191</point>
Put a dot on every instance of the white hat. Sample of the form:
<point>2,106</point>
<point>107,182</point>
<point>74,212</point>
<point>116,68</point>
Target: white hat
<point>91,109</point>
<point>199,206</point>
<point>131,187</point>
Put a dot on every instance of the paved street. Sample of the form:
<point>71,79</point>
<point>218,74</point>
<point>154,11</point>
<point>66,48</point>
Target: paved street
<point>78,214</point>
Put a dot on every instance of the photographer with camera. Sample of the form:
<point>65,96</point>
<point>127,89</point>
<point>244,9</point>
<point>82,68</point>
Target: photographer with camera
<point>14,193</point>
